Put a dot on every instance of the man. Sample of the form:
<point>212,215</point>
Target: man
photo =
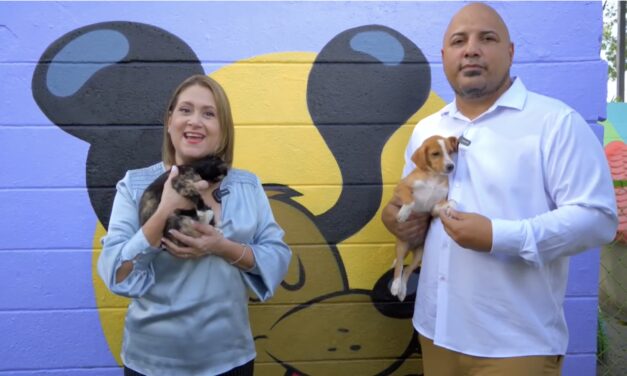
<point>532,187</point>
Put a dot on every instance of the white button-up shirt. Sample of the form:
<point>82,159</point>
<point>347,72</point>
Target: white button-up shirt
<point>533,166</point>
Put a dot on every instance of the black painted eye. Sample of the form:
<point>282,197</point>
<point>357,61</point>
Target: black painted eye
<point>108,84</point>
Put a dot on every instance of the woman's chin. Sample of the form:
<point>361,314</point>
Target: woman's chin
<point>191,157</point>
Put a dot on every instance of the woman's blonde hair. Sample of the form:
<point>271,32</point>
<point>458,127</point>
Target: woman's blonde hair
<point>227,129</point>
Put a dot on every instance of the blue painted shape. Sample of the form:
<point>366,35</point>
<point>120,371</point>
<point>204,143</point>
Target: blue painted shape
<point>36,219</point>
<point>97,371</point>
<point>57,339</point>
<point>41,143</point>
<point>583,276</point>
<point>379,45</point>
<point>40,280</point>
<point>580,365</point>
<point>598,131</point>
<point>617,114</point>
<point>82,58</point>
<point>585,94</point>
<point>581,317</point>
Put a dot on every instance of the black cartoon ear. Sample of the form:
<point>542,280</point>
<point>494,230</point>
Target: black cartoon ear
<point>108,84</point>
<point>364,84</point>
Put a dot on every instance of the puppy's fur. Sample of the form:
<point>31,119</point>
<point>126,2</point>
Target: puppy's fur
<point>211,169</point>
<point>424,190</point>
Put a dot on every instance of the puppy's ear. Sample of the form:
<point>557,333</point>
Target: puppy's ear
<point>453,142</point>
<point>420,157</point>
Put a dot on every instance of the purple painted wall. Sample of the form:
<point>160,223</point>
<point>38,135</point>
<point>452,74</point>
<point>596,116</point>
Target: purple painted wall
<point>49,310</point>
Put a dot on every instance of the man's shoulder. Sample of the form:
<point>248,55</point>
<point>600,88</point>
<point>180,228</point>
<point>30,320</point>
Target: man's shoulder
<point>545,103</point>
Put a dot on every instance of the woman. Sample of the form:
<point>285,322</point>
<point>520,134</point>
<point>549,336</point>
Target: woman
<point>188,314</point>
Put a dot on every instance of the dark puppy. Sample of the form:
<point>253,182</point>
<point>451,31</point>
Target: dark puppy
<point>211,169</point>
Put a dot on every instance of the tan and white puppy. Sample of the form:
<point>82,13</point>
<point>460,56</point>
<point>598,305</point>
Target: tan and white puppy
<point>424,190</point>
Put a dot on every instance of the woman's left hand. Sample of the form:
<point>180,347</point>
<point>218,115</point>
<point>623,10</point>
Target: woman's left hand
<point>196,247</point>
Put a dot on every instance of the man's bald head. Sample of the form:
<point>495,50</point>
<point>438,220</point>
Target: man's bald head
<point>478,11</point>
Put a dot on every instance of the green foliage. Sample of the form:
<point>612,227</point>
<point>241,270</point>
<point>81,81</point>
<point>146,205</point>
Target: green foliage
<point>609,40</point>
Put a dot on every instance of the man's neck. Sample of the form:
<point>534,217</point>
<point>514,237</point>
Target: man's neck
<point>474,107</point>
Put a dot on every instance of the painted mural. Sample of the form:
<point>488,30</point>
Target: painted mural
<point>324,97</point>
<point>116,97</point>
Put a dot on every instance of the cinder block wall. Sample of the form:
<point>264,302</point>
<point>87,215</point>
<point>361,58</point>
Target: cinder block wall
<point>324,94</point>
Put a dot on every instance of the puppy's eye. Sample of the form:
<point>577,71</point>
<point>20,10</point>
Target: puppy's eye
<point>436,154</point>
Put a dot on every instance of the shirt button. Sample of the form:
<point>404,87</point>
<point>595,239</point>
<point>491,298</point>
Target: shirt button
<point>442,278</point>
<point>456,185</point>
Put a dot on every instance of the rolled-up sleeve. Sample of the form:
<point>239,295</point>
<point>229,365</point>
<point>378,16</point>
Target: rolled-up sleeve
<point>125,241</point>
<point>272,255</point>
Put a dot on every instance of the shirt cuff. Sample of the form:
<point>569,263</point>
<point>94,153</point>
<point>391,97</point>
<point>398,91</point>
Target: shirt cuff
<point>507,237</point>
<point>139,250</point>
<point>255,269</point>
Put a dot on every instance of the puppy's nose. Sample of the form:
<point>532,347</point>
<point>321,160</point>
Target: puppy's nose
<point>450,167</point>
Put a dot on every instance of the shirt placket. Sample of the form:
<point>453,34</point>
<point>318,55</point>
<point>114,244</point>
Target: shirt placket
<point>444,257</point>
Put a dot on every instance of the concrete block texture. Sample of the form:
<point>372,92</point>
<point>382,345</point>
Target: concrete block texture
<point>324,95</point>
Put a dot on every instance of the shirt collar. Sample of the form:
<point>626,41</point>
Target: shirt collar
<point>514,97</point>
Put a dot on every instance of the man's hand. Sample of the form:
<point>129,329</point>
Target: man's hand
<point>413,230</point>
<point>469,230</point>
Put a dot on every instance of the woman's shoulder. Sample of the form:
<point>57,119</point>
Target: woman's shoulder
<point>141,177</point>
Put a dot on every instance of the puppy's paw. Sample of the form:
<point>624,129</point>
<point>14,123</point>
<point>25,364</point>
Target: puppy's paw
<point>204,216</point>
<point>449,207</point>
<point>403,213</point>
<point>402,291</point>
<point>396,287</point>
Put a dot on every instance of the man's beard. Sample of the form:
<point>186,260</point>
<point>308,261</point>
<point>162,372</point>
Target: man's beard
<point>481,92</point>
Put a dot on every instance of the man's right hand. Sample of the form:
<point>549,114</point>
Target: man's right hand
<point>413,230</point>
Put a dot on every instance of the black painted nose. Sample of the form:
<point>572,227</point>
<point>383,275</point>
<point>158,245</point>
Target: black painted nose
<point>450,167</point>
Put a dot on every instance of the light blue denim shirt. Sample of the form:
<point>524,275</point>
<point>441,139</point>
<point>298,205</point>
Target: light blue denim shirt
<point>190,317</point>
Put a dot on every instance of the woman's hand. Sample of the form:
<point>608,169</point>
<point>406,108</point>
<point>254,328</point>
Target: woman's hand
<point>171,199</point>
<point>207,243</point>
